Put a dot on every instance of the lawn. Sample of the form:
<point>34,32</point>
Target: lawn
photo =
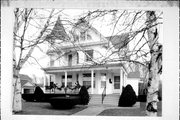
<point>43,108</point>
<point>130,112</point>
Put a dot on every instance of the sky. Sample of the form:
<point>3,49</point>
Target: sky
<point>101,24</point>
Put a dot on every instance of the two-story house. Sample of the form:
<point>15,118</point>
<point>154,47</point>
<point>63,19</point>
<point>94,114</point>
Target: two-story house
<point>87,57</point>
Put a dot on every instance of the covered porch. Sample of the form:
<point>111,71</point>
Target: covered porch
<point>98,79</point>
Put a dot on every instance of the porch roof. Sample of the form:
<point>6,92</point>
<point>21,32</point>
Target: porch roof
<point>83,67</point>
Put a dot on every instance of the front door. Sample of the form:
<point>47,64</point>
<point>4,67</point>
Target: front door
<point>116,84</point>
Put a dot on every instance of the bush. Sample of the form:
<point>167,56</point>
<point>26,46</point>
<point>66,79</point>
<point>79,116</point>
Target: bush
<point>38,94</point>
<point>84,96</point>
<point>128,97</point>
<point>64,102</point>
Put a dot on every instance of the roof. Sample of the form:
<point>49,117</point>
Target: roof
<point>119,41</point>
<point>82,67</point>
<point>58,31</point>
<point>25,79</point>
<point>135,74</point>
<point>76,46</point>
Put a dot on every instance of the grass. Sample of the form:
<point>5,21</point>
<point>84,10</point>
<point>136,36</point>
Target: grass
<point>43,108</point>
<point>130,112</point>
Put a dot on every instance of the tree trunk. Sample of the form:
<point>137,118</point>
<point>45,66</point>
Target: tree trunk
<point>154,74</point>
<point>17,99</point>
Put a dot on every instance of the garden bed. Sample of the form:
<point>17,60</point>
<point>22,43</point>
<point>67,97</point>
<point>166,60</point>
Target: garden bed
<point>45,97</point>
<point>64,102</point>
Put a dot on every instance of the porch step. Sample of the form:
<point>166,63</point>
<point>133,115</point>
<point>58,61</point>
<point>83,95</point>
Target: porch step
<point>95,99</point>
<point>111,99</point>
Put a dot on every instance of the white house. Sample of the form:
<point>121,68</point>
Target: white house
<point>87,57</point>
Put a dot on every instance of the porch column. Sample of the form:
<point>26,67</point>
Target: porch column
<point>92,81</point>
<point>65,79</point>
<point>121,80</point>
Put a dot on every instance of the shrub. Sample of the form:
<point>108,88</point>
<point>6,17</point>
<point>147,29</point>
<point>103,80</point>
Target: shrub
<point>84,96</point>
<point>38,94</point>
<point>64,102</point>
<point>128,97</point>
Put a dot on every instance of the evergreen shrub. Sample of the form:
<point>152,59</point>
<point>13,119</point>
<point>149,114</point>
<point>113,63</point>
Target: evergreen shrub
<point>84,96</point>
<point>128,97</point>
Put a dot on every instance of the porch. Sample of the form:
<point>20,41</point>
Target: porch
<point>97,79</point>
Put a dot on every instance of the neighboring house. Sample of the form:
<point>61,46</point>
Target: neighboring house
<point>90,59</point>
<point>26,84</point>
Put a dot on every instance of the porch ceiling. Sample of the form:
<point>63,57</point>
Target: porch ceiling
<point>84,68</point>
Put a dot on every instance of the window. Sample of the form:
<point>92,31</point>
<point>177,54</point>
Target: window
<point>70,60</point>
<point>77,57</point>
<point>83,36</point>
<point>51,62</point>
<point>87,84</point>
<point>103,80</point>
<point>87,75</point>
<point>76,37</point>
<point>89,55</point>
<point>68,76</point>
<point>116,82</point>
<point>69,84</point>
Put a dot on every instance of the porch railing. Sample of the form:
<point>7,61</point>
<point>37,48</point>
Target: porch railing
<point>103,94</point>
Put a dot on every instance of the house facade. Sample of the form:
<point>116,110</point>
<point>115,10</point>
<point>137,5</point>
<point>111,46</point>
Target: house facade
<point>87,58</point>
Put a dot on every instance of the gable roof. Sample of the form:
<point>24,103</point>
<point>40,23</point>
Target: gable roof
<point>25,79</point>
<point>119,41</point>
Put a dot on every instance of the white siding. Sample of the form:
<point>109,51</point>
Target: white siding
<point>134,83</point>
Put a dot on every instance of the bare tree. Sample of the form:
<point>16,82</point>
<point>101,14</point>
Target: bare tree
<point>155,65</point>
<point>137,26</point>
<point>24,19</point>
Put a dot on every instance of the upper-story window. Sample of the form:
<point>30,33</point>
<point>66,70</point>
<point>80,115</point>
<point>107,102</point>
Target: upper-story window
<point>77,55</point>
<point>83,36</point>
<point>51,62</point>
<point>89,55</point>
<point>70,60</point>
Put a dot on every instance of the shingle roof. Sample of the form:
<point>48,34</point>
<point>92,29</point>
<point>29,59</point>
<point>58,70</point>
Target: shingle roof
<point>119,41</point>
<point>58,31</point>
<point>135,74</point>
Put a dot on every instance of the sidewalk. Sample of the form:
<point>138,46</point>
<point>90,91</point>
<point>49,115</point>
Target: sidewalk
<point>91,111</point>
<point>94,110</point>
